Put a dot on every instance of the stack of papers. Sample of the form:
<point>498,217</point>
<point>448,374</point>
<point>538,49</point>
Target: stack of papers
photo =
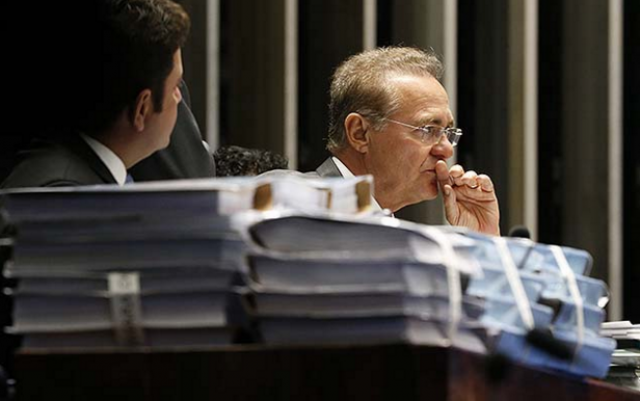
<point>148,264</point>
<point>296,191</point>
<point>622,330</point>
<point>333,279</point>
<point>627,336</point>
<point>141,265</point>
<point>535,288</point>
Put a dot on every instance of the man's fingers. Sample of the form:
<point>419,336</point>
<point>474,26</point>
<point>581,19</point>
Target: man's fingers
<point>485,183</point>
<point>456,172</point>
<point>456,177</point>
<point>470,179</point>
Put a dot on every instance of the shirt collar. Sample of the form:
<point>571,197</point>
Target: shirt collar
<point>346,173</point>
<point>111,160</point>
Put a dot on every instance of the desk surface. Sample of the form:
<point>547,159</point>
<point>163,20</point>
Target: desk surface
<point>366,372</point>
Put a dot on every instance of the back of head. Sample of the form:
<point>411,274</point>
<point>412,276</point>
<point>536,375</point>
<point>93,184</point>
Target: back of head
<point>361,84</point>
<point>94,57</point>
<point>135,51</point>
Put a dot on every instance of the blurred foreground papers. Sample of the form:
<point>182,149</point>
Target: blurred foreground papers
<point>284,258</point>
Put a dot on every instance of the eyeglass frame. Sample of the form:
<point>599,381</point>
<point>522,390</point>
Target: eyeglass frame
<point>453,134</point>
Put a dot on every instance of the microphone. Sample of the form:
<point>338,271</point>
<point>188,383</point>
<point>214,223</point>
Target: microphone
<point>520,232</point>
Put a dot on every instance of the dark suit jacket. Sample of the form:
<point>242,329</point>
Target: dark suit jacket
<point>328,169</point>
<point>66,162</point>
<point>185,157</point>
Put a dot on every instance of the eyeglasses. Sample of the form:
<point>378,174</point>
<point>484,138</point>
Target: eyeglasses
<point>432,134</point>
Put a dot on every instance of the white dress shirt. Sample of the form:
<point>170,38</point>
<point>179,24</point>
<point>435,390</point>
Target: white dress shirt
<point>111,160</point>
<point>346,173</point>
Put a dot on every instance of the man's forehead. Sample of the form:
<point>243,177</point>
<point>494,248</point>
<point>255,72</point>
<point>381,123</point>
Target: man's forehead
<point>415,87</point>
<point>424,97</point>
<point>435,117</point>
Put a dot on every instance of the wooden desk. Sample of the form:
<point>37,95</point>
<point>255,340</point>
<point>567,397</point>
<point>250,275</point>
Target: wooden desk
<point>371,372</point>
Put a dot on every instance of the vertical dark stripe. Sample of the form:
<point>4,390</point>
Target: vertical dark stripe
<point>631,163</point>
<point>384,19</point>
<point>330,31</point>
<point>550,121</point>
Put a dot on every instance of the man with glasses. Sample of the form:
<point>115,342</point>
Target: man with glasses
<point>390,117</point>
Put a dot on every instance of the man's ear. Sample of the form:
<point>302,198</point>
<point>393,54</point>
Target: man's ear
<point>142,110</point>
<point>357,130</point>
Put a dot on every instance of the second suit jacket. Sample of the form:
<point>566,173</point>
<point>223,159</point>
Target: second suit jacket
<point>328,169</point>
<point>65,162</point>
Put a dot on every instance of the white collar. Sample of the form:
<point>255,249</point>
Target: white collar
<point>346,173</point>
<point>111,160</point>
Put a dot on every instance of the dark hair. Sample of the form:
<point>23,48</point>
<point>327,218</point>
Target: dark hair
<point>361,84</point>
<point>135,51</point>
<point>238,161</point>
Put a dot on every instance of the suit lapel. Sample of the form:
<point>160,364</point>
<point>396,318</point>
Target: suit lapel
<point>79,147</point>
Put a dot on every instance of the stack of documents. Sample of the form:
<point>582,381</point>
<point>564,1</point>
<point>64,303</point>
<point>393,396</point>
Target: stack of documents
<point>532,288</point>
<point>141,265</point>
<point>149,264</point>
<point>146,307</point>
<point>627,336</point>
<point>623,330</point>
<point>625,362</point>
<point>296,191</point>
<point>335,279</point>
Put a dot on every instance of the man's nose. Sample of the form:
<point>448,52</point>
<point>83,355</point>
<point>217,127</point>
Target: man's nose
<point>443,148</point>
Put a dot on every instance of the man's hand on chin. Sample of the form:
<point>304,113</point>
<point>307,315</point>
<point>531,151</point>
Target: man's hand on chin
<point>469,199</point>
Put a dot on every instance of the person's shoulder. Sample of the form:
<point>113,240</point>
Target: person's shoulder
<point>49,164</point>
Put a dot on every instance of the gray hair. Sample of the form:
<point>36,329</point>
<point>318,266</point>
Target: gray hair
<point>361,85</point>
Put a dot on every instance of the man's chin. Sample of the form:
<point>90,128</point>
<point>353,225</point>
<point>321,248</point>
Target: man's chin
<point>430,190</point>
<point>166,143</point>
<point>429,196</point>
<point>426,194</point>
